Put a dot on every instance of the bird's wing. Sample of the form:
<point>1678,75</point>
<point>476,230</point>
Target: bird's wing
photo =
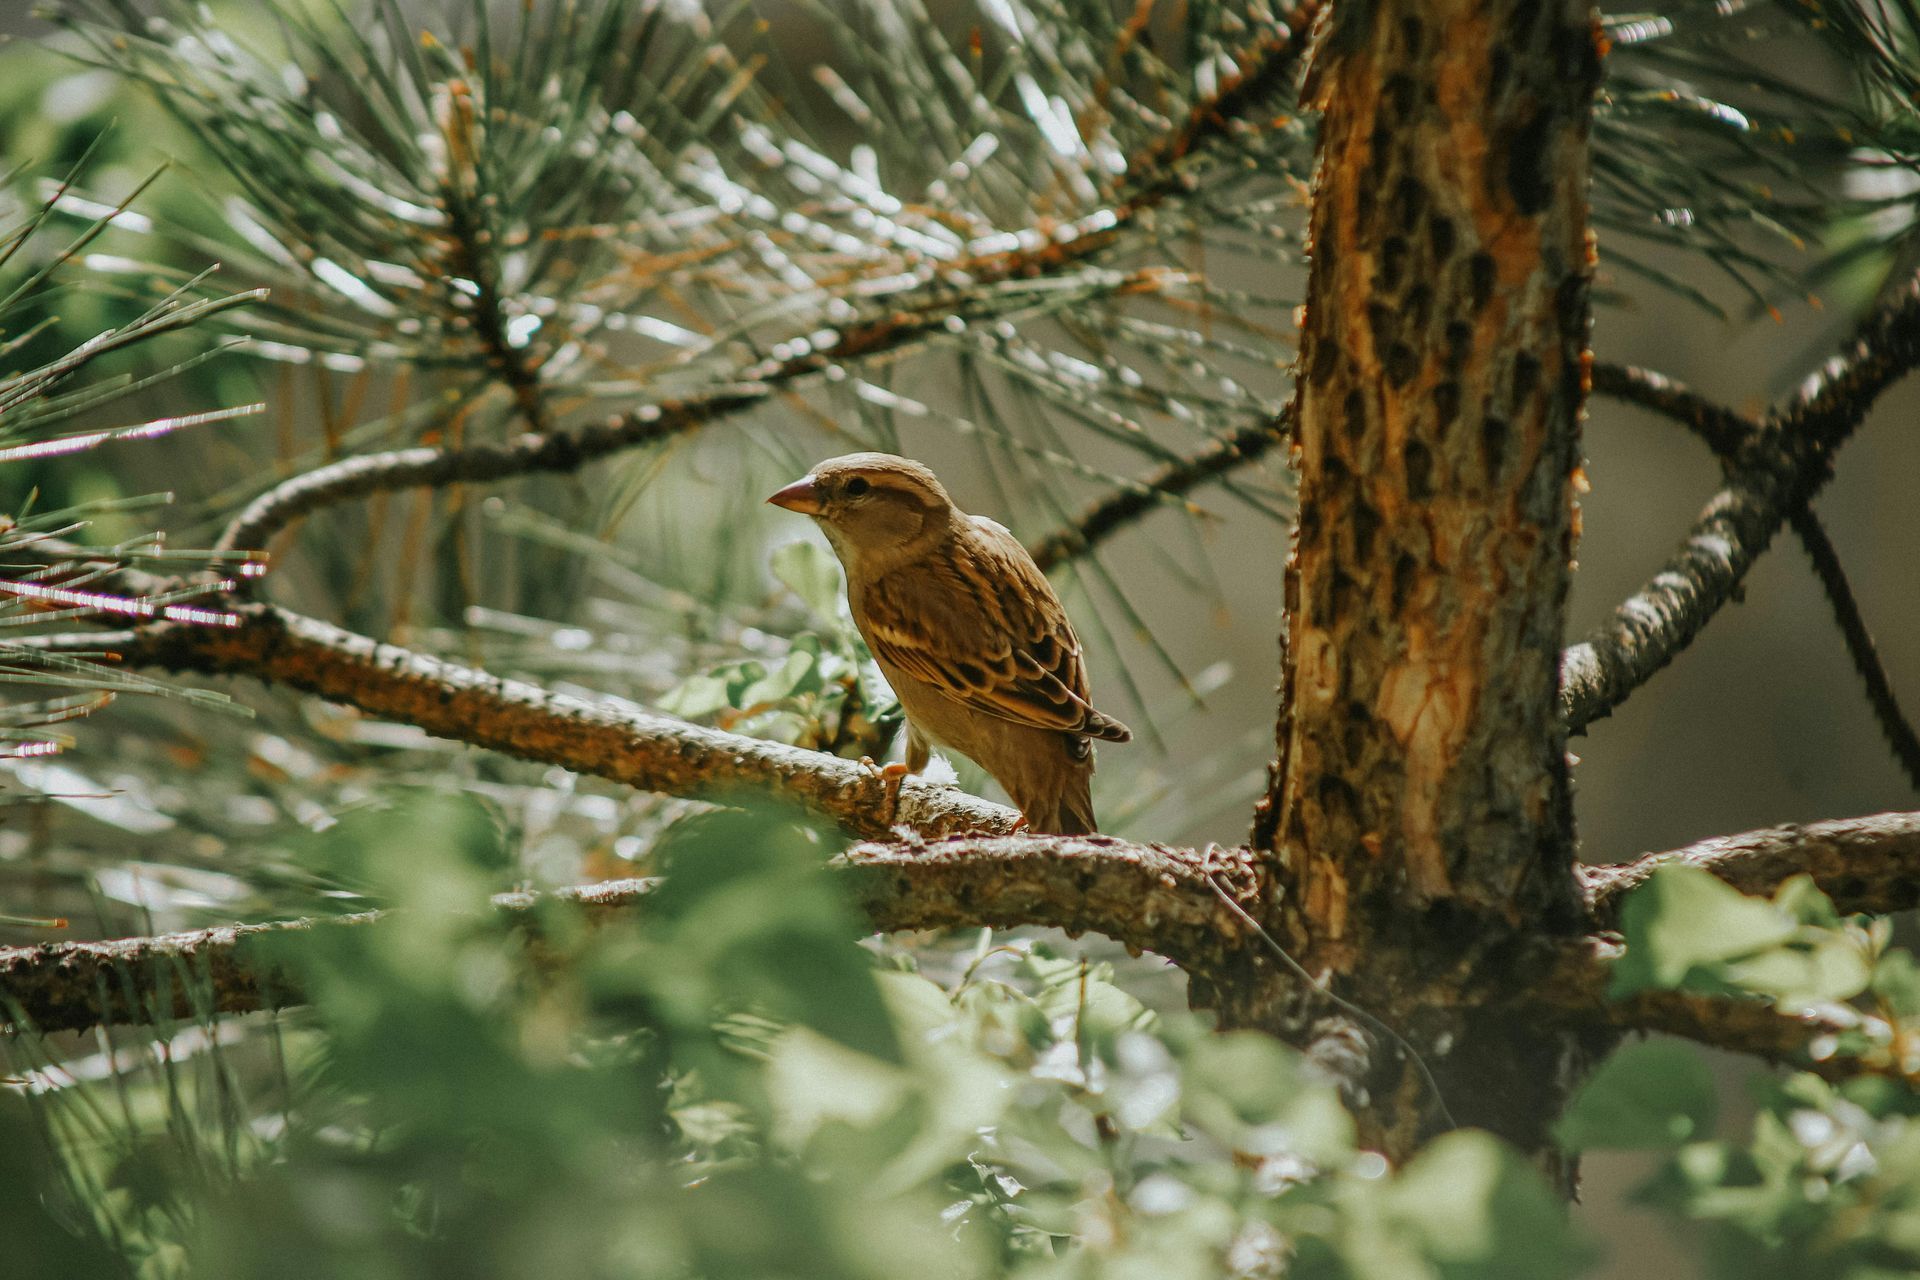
<point>981,623</point>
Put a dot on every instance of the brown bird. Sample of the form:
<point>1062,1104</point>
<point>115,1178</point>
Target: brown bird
<point>966,629</point>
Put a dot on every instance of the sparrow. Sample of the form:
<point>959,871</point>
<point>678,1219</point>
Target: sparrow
<point>966,629</point>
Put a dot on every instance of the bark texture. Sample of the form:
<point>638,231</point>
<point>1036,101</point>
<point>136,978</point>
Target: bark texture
<point>1419,811</point>
<point>638,748</point>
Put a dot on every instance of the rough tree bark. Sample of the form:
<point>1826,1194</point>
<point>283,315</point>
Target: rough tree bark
<point>1418,819</point>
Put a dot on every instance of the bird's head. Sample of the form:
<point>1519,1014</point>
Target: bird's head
<point>874,507</point>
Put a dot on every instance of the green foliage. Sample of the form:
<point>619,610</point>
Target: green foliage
<point>1826,1182</point>
<point>722,1084</point>
<point>1686,929</point>
<point>1653,1094</point>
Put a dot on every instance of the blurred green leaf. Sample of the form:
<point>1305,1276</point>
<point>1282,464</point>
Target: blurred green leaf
<point>1683,920</point>
<point>810,572</point>
<point>1652,1094</point>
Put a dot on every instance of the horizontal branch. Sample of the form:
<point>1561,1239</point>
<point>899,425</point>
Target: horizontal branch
<point>1867,864</point>
<point>1154,176</point>
<point>1778,470</point>
<point>1807,1040</point>
<point>1142,895</point>
<point>1150,897</point>
<point>1824,1039</point>
<point>431,467</point>
<point>638,748</point>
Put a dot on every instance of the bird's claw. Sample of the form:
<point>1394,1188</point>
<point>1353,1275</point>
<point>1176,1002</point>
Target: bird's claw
<point>891,776</point>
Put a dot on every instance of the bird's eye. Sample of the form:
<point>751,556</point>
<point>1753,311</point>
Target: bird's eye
<point>858,487</point>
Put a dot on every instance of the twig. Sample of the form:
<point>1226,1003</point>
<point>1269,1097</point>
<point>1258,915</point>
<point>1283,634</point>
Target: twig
<point>486,317</point>
<point>1894,723</point>
<point>1344,1005</point>
<point>1864,864</point>
<point>1128,502</point>
<point>1724,430</point>
<point>1143,895</point>
<point>426,466</point>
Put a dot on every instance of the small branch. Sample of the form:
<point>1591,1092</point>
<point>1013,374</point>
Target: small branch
<point>69,986</point>
<point>1894,724</point>
<point>1808,1040</point>
<point>637,748</point>
<point>431,467</point>
<point>1650,628</point>
<point>1867,864</point>
<point>1776,472</point>
<point>1274,59</point>
<point>487,318</point>
<point>1143,895</point>
<point>1129,502</point>
<point>1724,430</point>
<point>1575,985</point>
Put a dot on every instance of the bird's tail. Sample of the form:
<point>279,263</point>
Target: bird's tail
<point>1069,812</point>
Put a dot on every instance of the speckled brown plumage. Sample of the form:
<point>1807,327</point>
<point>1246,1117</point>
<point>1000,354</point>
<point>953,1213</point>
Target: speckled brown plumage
<point>966,629</point>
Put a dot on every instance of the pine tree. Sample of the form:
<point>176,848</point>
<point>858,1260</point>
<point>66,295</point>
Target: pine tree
<point>550,893</point>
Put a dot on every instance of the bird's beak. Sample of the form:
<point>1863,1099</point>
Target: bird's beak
<point>803,495</point>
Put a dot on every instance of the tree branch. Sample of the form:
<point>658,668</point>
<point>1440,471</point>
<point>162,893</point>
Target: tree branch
<point>1573,985</point>
<point>1894,725</point>
<point>1143,895</point>
<point>1864,864</point>
<point>1724,430</point>
<point>637,748</point>
<point>1807,1040</point>
<point>1149,897</point>
<point>1128,502</point>
<point>1726,433</point>
<point>1778,470</point>
<point>1272,61</point>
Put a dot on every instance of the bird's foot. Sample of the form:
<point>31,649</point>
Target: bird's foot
<point>891,776</point>
<point>1019,825</point>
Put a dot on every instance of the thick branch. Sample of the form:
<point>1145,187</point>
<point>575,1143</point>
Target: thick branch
<point>1143,895</point>
<point>1808,1040</point>
<point>1154,177</point>
<point>1864,864</point>
<point>1149,897</point>
<point>637,748</point>
<point>1778,471</point>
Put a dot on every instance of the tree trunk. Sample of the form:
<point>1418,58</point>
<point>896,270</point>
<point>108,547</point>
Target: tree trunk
<point>1418,825</point>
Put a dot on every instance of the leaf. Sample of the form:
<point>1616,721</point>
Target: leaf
<point>1483,1212</point>
<point>810,572</point>
<point>695,697</point>
<point>1683,919</point>
<point>1648,1096</point>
